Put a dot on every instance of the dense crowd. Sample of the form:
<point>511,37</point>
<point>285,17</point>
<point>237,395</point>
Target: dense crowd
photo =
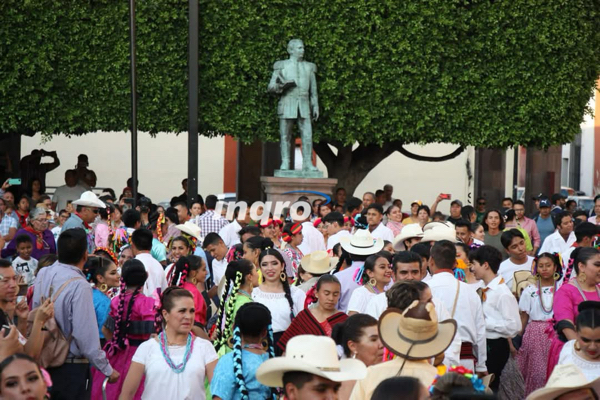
<point>352,299</point>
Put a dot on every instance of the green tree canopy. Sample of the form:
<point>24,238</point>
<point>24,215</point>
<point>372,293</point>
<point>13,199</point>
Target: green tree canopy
<point>481,73</point>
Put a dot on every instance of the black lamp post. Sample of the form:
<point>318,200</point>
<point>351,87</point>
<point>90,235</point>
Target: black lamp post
<point>134,149</point>
<point>193,103</point>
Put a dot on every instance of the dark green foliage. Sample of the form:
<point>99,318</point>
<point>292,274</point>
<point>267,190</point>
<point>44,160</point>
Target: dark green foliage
<point>482,73</point>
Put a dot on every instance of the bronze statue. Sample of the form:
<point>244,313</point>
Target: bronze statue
<point>294,80</point>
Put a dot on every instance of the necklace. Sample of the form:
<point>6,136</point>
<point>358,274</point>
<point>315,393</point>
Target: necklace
<point>255,346</point>
<point>243,292</point>
<point>189,347</point>
<point>576,282</point>
<point>546,311</point>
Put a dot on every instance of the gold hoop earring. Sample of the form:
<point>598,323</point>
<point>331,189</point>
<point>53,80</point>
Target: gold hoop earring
<point>283,277</point>
<point>194,280</point>
<point>556,276</point>
<point>103,287</point>
<point>581,277</point>
<point>577,346</point>
<point>372,282</point>
<point>265,344</point>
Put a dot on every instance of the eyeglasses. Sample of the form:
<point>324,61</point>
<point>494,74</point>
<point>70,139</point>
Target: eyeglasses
<point>481,203</point>
<point>41,221</point>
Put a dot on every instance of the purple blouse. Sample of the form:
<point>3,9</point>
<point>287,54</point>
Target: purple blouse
<point>48,247</point>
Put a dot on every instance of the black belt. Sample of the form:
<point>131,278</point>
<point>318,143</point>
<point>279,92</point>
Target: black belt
<point>76,360</point>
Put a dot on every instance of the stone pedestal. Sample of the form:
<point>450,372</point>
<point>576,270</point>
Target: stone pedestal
<point>275,187</point>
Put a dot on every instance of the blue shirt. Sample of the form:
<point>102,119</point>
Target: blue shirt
<point>224,383</point>
<point>159,251</point>
<point>102,307</point>
<point>545,227</point>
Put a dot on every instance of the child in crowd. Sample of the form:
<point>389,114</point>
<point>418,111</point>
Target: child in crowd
<point>25,265</point>
<point>500,309</point>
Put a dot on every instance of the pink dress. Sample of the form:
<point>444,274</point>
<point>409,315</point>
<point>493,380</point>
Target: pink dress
<point>199,303</point>
<point>141,327</point>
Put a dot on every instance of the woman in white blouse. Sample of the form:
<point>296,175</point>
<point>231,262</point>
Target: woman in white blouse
<point>584,351</point>
<point>375,275</point>
<point>283,301</point>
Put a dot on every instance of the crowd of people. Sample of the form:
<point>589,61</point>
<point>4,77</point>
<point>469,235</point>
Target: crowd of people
<point>352,299</point>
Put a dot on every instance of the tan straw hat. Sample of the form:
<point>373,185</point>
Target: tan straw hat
<point>316,355</point>
<point>415,334</point>
<point>407,232</point>
<point>318,262</point>
<point>361,243</point>
<point>564,379</point>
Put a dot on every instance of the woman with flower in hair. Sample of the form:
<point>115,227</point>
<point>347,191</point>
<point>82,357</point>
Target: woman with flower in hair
<point>374,276</point>
<point>241,279</point>
<point>537,312</point>
<point>235,374</point>
<point>130,322</point>
<point>283,301</point>
<point>292,236</point>
<point>175,363</point>
<point>103,274</point>
<point>178,247</point>
<point>186,274</point>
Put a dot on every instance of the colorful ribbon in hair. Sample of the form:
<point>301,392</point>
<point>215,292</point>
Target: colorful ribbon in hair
<point>357,277</point>
<point>159,222</point>
<point>467,373</point>
<point>295,229</point>
<point>111,253</point>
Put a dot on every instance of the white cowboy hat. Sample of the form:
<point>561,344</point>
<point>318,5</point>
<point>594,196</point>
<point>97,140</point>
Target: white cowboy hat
<point>565,378</point>
<point>407,232</point>
<point>316,355</point>
<point>89,199</point>
<point>438,224</point>
<point>361,243</point>
<point>438,232</point>
<point>415,334</point>
<point>318,262</point>
<point>190,228</point>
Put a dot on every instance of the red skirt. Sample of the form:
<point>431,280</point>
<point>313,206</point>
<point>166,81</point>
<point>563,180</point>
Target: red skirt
<point>532,358</point>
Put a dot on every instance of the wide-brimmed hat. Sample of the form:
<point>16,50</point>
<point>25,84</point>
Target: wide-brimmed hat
<point>361,243</point>
<point>89,199</point>
<point>190,228</point>
<point>407,232</point>
<point>565,378</point>
<point>316,355</point>
<point>415,334</point>
<point>436,231</point>
<point>318,262</point>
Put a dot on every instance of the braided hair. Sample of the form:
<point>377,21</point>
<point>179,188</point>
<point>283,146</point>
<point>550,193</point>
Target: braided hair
<point>182,269</point>
<point>269,250</point>
<point>235,276</point>
<point>134,276</point>
<point>579,255</point>
<point>252,321</point>
<point>167,300</point>
<point>94,266</point>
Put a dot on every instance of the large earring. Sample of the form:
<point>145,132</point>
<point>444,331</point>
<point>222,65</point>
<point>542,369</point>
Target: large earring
<point>265,344</point>
<point>283,277</point>
<point>103,287</point>
<point>581,277</point>
<point>372,282</point>
<point>556,276</point>
<point>194,280</point>
<point>353,355</point>
<point>577,346</point>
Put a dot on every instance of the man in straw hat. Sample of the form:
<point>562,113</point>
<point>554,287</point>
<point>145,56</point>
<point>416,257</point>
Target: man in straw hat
<point>318,263</point>
<point>410,235</point>
<point>414,336</point>
<point>310,369</point>
<point>567,382</point>
<point>360,246</point>
<point>85,213</point>
<point>458,295</point>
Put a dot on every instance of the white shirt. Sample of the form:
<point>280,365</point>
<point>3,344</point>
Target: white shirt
<point>383,232</point>
<point>279,306</point>
<point>530,303</point>
<point>468,313</point>
<point>508,268</point>
<point>501,311</point>
<point>26,269</point>
<point>556,244</point>
<point>218,269</point>
<point>360,298</point>
<point>590,369</point>
<point>378,304</point>
<point>335,238</point>
<point>162,382</point>
<point>229,233</point>
<point>65,193</point>
<point>313,239</point>
<point>156,274</point>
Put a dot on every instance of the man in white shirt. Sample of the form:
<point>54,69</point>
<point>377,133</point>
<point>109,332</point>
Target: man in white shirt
<point>374,214</point>
<point>334,223</point>
<point>463,303</point>
<point>68,192</point>
<point>214,245</point>
<point>518,260</point>
<point>563,237</point>
<point>230,233</point>
<point>585,234</point>
<point>407,266</point>
<point>141,245</point>
<point>312,240</point>
<point>500,308</point>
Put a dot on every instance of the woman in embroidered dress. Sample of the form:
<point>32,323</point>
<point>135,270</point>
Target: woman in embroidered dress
<point>584,351</point>
<point>130,322</point>
<point>292,235</point>
<point>235,374</point>
<point>536,305</point>
<point>102,273</point>
<point>241,279</point>
<point>320,318</point>
<point>186,274</point>
<point>175,362</point>
<point>283,301</point>
<point>394,218</point>
<point>41,237</point>
<point>374,276</point>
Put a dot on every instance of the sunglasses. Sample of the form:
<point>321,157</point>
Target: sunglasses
<point>481,204</point>
<point>94,210</point>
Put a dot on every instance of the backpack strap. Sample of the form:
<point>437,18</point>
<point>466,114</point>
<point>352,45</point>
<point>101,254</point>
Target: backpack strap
<point>62,287</point>
<point>456,298</point>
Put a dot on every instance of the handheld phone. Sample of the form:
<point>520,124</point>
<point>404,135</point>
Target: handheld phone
<point>14,181</point>
<point>22,289</point>
<point>446,196</point>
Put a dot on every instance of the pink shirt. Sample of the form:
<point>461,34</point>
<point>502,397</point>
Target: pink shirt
<point>567,299</point>
<point>531,228</point>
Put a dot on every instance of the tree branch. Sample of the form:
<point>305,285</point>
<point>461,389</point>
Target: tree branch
<point>418,157</point>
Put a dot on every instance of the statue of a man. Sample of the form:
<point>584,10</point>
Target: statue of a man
<point>294,79</point>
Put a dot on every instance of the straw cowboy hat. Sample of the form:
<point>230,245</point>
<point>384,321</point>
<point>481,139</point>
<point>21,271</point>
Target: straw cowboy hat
<point>361,243</point>
<point>89,199</point>
<point>436,231</point>
<point>415,334</point>
<point>565,378</point>
<point>408,232</point>
<point>316,355</point>
<point>318,262</point>
<point>190,228</point>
